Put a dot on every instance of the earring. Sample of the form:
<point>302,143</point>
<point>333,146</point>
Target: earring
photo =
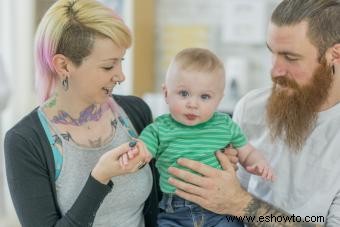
<point>65,83</point>
<point>118,83</point>
<point>333,69</point>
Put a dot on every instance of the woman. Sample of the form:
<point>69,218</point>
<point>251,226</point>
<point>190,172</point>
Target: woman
<point>62,159</point>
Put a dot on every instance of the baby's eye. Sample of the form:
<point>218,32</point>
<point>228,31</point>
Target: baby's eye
<point>205,97</point>
<point>183,93</point>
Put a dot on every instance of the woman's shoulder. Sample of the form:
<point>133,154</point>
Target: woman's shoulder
<point>26,125</point>
<point>130,101</point>
<point>26,138</point>
<point>136,109</point>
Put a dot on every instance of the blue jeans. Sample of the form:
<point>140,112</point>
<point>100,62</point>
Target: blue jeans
<point>178,212</point>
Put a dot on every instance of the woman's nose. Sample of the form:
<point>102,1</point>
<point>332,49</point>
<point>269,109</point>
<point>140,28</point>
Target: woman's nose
<point>118,77</point>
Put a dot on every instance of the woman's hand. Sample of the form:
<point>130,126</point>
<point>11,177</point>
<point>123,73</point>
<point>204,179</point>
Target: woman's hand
<point>137,147</point>
<point>109,165</point>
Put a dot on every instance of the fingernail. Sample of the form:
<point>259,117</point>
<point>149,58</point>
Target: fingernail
<point>132,143</point>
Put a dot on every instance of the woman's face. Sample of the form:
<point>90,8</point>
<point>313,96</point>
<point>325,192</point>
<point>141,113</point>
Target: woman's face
<point>92,82</point>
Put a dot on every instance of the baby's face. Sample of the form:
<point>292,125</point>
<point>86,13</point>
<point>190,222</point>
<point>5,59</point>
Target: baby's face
<point>193,96</point>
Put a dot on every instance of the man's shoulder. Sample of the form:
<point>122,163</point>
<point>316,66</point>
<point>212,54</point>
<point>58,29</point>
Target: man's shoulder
<point>255,99</point>
<point>259,95</point>
<point>252,105</point>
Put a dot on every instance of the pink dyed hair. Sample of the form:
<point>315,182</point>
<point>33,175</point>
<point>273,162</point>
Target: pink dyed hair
<point>55,36</point>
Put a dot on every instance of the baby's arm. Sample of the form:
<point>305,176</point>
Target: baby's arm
<point>148,136</point>
<point>254,162</point>
<point>136,148</point>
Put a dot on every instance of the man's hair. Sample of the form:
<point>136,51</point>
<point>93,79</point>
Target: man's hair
<point>322,16</point>
<point>199,59</point>
<point>70,27</point>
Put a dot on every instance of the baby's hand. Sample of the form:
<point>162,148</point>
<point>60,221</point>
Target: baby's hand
<point>130,154</point>
<point>262,169</point>
<point>137,150</point>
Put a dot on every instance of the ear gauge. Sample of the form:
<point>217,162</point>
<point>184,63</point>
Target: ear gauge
<point>65,83</point>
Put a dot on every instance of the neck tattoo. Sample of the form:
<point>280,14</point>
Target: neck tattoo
<point>91,113</point>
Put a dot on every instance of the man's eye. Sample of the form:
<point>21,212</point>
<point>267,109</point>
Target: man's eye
<point>108,68</point>
<point>183,93</point>
<point>290,58</point>
<point>205,97</point>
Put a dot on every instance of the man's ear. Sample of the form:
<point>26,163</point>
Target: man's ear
<point>333,54</point>
<point>165,92</point>
<point>61,65</point>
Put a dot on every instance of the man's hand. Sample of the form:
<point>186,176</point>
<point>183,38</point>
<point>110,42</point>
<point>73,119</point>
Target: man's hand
<point>232,154</point>
<point>219,191</point>
<point>216,190</point>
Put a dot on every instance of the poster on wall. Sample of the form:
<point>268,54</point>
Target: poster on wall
<point>116,5</point>
<point>244,22</point>
<point>124,9</point>
<point>178,37</point>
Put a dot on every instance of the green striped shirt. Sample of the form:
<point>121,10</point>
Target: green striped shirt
<point>169,140</point>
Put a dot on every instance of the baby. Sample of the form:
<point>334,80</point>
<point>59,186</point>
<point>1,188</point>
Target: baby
<point>193,129</point>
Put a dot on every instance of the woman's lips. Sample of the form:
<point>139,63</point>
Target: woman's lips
<point>107,90</point>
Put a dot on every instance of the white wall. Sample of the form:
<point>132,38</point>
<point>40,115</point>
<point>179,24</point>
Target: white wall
<point>208,24</point>
<point>16,26</point>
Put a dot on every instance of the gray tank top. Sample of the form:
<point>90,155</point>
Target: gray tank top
<point>123,206</point>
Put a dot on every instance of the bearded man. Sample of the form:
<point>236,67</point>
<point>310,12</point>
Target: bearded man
<point>296,123</point>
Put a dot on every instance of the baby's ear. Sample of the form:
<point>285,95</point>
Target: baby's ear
<point>165,92</point>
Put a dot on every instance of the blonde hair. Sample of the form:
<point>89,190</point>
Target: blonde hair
<point>69,27</point>
<point>198,59</point>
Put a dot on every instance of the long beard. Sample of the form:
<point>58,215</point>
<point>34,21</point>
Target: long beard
<point>292,113</point>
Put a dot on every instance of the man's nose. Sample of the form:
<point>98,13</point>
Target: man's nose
<point>278,67</point>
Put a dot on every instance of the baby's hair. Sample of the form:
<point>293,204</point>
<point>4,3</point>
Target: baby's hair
<point>199,59</point>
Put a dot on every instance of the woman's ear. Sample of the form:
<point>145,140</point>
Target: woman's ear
<point>60,64</point>
<point>165,93</point>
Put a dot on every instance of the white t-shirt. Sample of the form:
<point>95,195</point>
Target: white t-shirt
<point>308,182</point>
